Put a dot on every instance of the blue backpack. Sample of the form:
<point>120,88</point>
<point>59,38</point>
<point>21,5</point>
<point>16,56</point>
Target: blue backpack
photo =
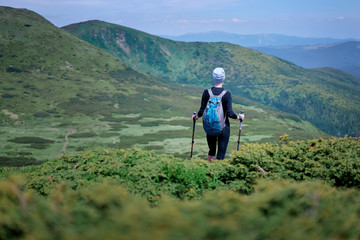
<point>213,117</point>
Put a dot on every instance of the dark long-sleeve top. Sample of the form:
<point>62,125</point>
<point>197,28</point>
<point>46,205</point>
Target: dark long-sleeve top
<point>226,102</point>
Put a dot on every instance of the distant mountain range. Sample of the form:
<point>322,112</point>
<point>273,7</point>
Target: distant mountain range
<point>254,40</point>
<point>344,56</point>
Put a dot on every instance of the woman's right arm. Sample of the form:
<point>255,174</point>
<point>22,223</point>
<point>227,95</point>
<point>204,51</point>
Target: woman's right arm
<point>204,99</point>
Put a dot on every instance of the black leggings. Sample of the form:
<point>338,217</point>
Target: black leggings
<point>222,141</point>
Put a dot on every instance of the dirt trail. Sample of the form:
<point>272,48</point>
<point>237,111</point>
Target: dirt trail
<point>71,131</point>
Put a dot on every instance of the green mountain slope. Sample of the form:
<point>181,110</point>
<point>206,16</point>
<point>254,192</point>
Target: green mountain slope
<point>61,94</point>
<point>330,101</point>
<point>52,82</point>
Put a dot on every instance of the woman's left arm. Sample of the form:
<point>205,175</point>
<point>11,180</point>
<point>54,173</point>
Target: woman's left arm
<point>229,111</point>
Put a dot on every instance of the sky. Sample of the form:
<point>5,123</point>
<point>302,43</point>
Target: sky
<point>302,18</point>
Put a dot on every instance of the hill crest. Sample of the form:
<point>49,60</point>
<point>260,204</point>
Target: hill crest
<point>254,40</point>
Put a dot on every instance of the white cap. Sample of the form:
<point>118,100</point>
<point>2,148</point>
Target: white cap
<point>218,75</point>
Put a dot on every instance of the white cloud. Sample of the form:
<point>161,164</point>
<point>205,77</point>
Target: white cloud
<point>201,21</point>
<point>341,18</point>
<point>210,20</point>
<point>236,20</point>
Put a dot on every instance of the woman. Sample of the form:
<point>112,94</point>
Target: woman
<point>221,140</point>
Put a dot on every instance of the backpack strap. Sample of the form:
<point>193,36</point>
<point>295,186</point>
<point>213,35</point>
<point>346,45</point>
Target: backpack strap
<point>210,93</point>
<point>222,94</point>
<point>219,96</point>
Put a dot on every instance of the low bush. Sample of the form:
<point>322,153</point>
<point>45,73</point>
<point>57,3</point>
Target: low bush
<point>305,190</point>
<point>335,160</point>
<point>277,210</point>
<point>141,172</point>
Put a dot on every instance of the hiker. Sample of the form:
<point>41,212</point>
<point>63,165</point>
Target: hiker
<point>222,139</point>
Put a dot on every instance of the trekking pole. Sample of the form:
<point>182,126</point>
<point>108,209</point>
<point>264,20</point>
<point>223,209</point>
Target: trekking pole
<point>238,142</point>
<point>193,134</point>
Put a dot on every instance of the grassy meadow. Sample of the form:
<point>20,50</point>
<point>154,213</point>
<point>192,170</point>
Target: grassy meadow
<point>44,138</point>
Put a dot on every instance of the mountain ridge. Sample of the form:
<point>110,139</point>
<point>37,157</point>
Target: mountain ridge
<point>255,40</point>
<point>292,48</point>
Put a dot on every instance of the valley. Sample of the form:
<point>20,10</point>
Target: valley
<point>52,82</point>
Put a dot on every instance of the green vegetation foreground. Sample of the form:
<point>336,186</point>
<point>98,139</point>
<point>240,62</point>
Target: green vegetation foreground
<point>311,190</point>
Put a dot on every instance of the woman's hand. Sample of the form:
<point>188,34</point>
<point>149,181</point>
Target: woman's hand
<point>195,117</point>
<point>241,117</point>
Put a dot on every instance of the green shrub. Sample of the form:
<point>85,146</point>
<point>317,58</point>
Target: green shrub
<point>83,135</point>
<point>335,160</point>
<point>310,191</point>
<point>41,114</point>
<point>25,140</point>
<point>142,172</point>
<point>277,210</point>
